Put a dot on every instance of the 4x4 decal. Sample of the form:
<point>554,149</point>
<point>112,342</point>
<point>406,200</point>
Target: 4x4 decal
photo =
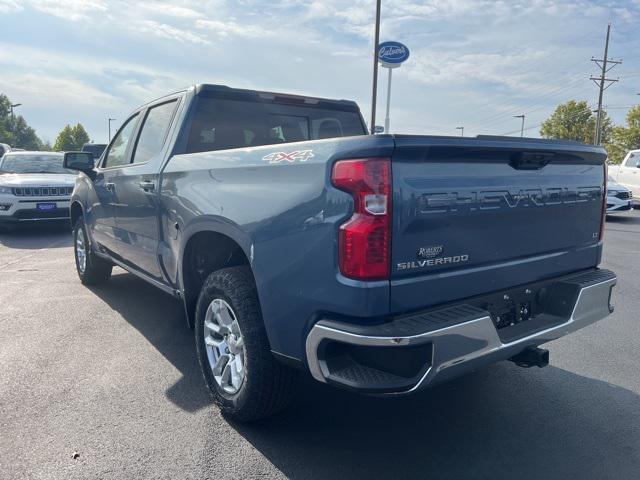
<point>279,157</point>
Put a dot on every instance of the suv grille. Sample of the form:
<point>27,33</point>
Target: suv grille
<point>623,195</point>
<point>42,191</point>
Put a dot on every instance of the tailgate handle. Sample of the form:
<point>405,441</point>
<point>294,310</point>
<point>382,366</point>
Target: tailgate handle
<point>530,160</point>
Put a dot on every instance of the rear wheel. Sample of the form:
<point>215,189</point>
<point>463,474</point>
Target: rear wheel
<point>91,269</point>
<point>246,381</point>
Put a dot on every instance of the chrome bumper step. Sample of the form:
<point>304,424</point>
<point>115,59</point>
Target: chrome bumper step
<point>451,340</point>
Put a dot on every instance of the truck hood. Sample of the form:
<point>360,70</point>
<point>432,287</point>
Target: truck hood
<point>36,179</point>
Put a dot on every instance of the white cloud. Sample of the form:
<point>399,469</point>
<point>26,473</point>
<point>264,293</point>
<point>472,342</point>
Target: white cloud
<point>231,28</point>
<point>169,10</point>
<point>58,91</point>
<point>9,6</point>
<point>169,32</point>
<point>73,10</point>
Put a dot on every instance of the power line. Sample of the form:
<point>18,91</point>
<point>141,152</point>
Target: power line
<point>603,83</point>
<point>533,66</point>
<point>575,114</point>
<point>543,93</point>
<point>507,114</point>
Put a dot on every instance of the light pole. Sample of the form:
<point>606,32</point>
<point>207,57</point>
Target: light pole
<point>521,128</point>
<point>12,106</point>
<point>110,120</point>
<point>13,115</point>
<point>461,131</point>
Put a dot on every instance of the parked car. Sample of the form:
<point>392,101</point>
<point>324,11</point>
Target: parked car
<point>619,198</point>
<point>34,187</point>
<point>4,148</point>
<point>96,149</point>
<point>627,174</point>
<point>378,263</point>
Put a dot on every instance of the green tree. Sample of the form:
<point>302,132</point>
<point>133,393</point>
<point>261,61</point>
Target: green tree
<point>14,129</point>
<point>625,138</point>
<point>71,138</point>
<point>574,120</point>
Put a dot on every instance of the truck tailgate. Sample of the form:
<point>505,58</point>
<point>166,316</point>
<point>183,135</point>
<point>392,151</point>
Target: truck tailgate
<point>472,216</point>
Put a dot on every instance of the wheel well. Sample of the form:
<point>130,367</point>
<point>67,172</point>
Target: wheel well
<point>76,212</point>
<point>205,253</point>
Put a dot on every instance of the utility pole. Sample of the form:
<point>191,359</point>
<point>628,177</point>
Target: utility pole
<point>376,42</point>
<point>522,127</point>
<point>110,120</point>
<point>603,83</point>
<point>461,131</point>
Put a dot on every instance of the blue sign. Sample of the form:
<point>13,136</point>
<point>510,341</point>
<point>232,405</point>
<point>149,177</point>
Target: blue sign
<point>392,53</point>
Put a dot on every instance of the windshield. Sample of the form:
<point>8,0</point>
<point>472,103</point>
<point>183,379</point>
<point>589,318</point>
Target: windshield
<point>33,164</point>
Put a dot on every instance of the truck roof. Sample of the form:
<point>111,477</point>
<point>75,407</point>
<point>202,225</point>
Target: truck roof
<point>210,87</point>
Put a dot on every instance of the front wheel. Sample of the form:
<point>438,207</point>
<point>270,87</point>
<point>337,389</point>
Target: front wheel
<point>91,269</point>
<point>246,381</point>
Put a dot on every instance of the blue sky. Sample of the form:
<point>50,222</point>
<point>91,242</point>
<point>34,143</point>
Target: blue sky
<point>474,63</point>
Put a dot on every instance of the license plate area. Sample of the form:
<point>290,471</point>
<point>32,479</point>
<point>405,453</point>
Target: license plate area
<point>46,207</point>
<point>515,306</point>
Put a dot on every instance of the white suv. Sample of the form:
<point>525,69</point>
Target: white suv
<point>34,187</point>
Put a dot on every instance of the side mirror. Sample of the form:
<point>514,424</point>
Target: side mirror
<point>81,161</point>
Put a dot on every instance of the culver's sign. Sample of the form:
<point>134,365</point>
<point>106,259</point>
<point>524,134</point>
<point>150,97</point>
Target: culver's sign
<point>392,54</point>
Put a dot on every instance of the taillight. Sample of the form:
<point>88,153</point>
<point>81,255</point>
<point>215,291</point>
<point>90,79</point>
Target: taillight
<point>604,201</point>
<point>365,239</point>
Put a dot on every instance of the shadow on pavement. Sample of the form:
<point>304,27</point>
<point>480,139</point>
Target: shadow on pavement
<point>624,217</point>
<point>34,237</point>
<point>160,319</point>
<point>500,422</point>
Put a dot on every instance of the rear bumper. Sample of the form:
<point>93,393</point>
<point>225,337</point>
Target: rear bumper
<point>414,351</point>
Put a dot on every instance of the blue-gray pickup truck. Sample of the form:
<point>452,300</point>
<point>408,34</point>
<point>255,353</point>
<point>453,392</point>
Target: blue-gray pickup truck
<point>377,263</point>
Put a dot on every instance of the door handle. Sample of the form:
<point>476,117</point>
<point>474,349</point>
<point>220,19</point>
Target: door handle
<point>110,187</point>
<point>147,186</point>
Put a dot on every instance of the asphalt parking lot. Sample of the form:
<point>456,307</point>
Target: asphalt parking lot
<point>110,374</point>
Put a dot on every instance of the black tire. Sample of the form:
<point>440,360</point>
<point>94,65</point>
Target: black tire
<point>268,384</point>
<point>97,270</point>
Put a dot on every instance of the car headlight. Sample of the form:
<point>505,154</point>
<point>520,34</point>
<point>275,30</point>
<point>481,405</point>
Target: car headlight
<point>5,190</point>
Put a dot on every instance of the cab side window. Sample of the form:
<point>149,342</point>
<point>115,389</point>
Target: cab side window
<point>154,131</point>
<point>632,161</point>
<point>117,153</point>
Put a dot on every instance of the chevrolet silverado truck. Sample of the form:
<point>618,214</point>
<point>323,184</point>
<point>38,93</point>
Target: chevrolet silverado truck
<point>377,263</point>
